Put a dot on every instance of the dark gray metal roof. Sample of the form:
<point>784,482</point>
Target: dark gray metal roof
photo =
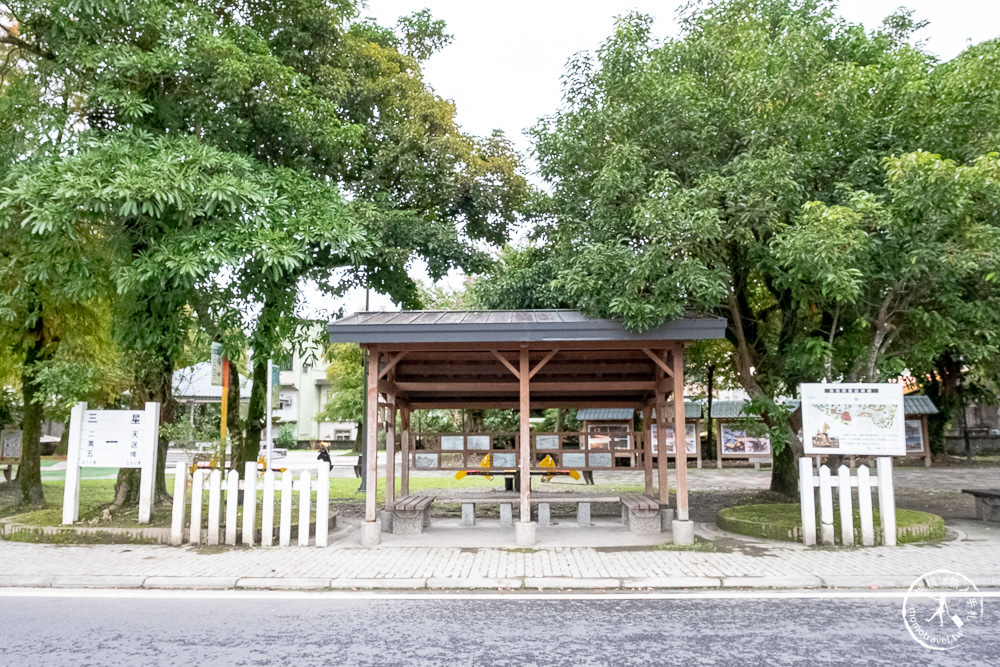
<point>604,414</point>
<point>913,406</point>
<point>919,405</point>
<point>692,410</point>
<point>498,326</point>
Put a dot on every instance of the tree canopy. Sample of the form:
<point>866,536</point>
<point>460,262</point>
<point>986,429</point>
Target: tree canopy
<point>822,187</point>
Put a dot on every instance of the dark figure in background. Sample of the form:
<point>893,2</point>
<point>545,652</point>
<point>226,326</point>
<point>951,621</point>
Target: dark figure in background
<point>324,455</point>
<point>588,476</point>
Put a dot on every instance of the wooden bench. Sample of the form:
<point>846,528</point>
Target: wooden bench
<point>411,514</point>
<point>641,514</point>
<point>543,501</point>
<point>987,503</point>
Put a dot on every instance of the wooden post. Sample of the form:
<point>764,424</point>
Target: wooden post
<point>177,520</point>
<point>647,448</point>
<point>322,504</point>
<point>865,506</point>
<point>225,408</point>
<point>525,409</point>
<point>390,454</point>
<point>807,501</point>
<point>680,435</point>
<point>825,505</point>
<point>661,441</point>
<point>267,511</point>
<point>249,503</point>
<point>196,500</point>
<point>404,473</point>
<point>846,506</point>
<point>371,445</point>
<point>886,500</point>
<point>232,506</point>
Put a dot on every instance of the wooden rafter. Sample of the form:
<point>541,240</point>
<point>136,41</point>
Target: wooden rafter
<point>541,363</point>
<point>659,361</point>
<point>510,366</point>
<point>392,363</point>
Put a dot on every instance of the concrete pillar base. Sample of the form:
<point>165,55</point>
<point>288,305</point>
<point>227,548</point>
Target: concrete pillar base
<point>666,518</point>
<point>468,514</point>
<point>371,533</point>
<point>544,514</point>
<point>524,533</point>
<point>683,532</point>
<point>385,516</point>
<point>506,515</point>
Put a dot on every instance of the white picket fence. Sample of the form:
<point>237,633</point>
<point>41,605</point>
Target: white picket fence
<point>282,485</point>
<point>845,483</point>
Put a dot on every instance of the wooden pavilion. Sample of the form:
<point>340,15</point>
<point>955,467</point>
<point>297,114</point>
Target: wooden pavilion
<point>520,360</point>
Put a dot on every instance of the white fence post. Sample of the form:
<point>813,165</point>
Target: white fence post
<point>322,504</point>
<point>214,491</point>
<point>267,511</point>
<point>71,489</point>
<point>886,500</point>
<point>825,506</point>
<point>305,502</point>
<point>197,482</point>
<point>249,503</point>
<point>807,501</point>
<point>865,506</point>
<point>285,519</point>
<point>232,506</point>
<point>846,506</point>
<point>177,520</point>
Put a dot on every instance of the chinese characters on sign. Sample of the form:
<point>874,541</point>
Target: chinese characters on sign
<point>10,445</point>
<point>112,439</point>
<point>853,419</point>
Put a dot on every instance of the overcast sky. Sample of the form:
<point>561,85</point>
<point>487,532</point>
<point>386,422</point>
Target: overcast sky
<point>504,66</point>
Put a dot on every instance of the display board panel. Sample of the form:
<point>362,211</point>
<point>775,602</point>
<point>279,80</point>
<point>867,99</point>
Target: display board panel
<point>853,419</point>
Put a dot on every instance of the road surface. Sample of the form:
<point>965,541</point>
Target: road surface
<point>185,628</point>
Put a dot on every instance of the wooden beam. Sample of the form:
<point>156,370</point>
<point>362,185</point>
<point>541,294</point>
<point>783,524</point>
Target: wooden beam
<point>524,408</point>
<point>647,449</point>
<point>680,437</point>
<point>371,441</point>
<point>661,446</point>
<point>503,360</point>
<point>658,360</point>
<point>542,363</point>
<point>404,477</point>
<point>392,363</point>
<point>390,458</point>
<point>435,387</point>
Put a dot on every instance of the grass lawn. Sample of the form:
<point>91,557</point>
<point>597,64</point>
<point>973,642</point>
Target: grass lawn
<point>783,521</point>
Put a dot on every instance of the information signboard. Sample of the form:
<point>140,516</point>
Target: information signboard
<point>216,364</point>
<point>853,419</point>
<point>690,439</point>
<point>10,445</point>
<point>111,439</point>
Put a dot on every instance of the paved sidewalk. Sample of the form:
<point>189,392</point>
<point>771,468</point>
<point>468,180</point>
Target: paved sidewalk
<point>736,564</point>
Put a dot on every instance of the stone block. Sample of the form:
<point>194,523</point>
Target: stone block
<point>583,514</point>
<point>544,514</point>
<point>468,514</point>
<point>524,533</point>
<point>371,533</point>
<point>644,523</point>
<point>683,532</point>
<point>411,523</point>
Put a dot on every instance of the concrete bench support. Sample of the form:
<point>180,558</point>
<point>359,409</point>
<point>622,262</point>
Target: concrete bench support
<point>544,515</point>
<point>641,514</point>
<point>987,504</point>
<point>468,514</point>
<point>411,514</point>
<point>506,515</point>
<point>583,514</point>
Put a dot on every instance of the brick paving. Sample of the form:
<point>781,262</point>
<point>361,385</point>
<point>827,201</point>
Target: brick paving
<point>976,553</point>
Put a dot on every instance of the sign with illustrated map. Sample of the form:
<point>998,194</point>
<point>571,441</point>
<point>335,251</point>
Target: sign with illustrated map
<point>853,419</point>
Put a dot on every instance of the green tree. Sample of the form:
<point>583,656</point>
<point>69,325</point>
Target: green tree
<point>764,166</point>
<point>347,384</point>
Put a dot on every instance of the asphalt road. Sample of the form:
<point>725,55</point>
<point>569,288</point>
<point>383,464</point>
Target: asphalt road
<point>261,629</point>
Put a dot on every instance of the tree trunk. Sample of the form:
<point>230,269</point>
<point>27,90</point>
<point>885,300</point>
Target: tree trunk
<point>234,425</point>
<point>785,472</point>
<point>29,472</point>
<point>708,417</point>
<point>154,383</point>
<point>256,412</point>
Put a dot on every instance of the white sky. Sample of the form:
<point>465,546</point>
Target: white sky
<point>504,65</point>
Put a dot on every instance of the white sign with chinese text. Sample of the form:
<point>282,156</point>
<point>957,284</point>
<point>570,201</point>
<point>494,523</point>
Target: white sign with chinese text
<point>111,439</point>
<point>853,419</point>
